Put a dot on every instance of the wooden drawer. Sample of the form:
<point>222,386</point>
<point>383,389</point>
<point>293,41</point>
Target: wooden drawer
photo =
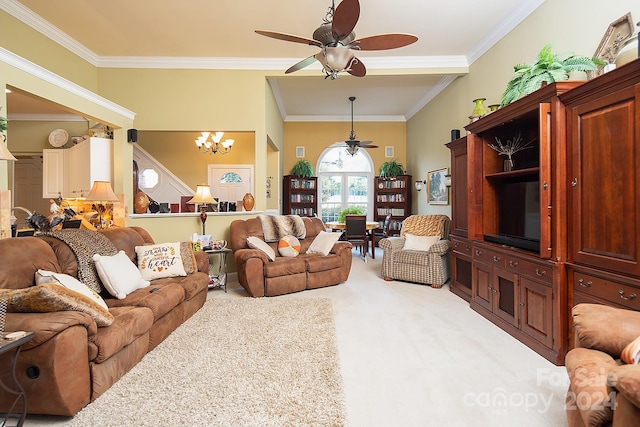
<point>488,256</point>
<point>461,246</point>
<point>616,293</point>
<point>540,272</point>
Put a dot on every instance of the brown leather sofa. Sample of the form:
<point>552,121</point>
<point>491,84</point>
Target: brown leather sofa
<point>261,277</point>
<point>70,361</point>
<point>603,391</point>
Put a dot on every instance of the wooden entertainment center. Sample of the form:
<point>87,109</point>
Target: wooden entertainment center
<point>561,227</point>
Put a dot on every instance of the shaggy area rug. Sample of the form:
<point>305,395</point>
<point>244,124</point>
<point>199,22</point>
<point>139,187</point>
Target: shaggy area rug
<point>236,362</point>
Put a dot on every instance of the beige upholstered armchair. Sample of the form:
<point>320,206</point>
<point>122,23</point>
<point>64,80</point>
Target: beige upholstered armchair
<point>402,261</point>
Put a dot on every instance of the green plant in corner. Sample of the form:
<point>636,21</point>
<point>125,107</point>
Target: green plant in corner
<point>391,169</point>
<point>302,168</point>
<point>549,68</point>
<point>349,211</point>
<point>3,123</point>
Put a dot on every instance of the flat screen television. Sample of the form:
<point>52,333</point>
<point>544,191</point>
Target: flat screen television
<point>519,215</point>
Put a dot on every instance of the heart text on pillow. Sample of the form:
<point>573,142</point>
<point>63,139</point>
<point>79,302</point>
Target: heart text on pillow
<point>160,261</point>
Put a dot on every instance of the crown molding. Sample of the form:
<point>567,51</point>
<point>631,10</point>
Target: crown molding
<point>431,94</point>
<point>45,118</point>
<point>35,70</point>
<point>24,14</point>
<point>330,118</point>
<point>524,9</point>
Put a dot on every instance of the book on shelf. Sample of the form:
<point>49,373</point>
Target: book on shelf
<point>303,184</point>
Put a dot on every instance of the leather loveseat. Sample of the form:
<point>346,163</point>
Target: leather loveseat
<point>262,277</point>
<point>604,390</point>
<point>71,361</point>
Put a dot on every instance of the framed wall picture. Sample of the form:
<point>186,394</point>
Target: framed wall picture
<point>300,152</point>
<point>388,151</point>
<point>438,192</point>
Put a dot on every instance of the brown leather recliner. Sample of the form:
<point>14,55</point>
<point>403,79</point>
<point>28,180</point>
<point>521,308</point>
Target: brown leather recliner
<point>261,277</point>
<point>71,361</point>
<point>603,391</point>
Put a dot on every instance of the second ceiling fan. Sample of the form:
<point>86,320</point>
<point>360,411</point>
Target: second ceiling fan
<point>337,41</point>
<point>353,144</point>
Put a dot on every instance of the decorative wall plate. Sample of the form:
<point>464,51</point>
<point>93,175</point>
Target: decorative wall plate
<point>58,137</point>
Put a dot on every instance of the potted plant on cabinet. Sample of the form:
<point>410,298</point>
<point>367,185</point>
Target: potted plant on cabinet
<point>302,168</point>
<point>547,68</point>
<point>391,169</point>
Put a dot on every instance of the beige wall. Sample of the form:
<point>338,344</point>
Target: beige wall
<point>178,152</point>
<point>187,100</point>
<point>571,26</point>
<point>31,137</point>
<point>316,136</point>
<point>35,47</point>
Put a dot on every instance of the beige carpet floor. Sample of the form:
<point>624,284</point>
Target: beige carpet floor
<point>236,362</point>
<point>413,356</point>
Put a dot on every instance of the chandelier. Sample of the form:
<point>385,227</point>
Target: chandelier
<point>213,146</point>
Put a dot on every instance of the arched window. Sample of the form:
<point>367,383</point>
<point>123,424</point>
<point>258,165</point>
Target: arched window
<point>230,177</point>
<point>344,181</point>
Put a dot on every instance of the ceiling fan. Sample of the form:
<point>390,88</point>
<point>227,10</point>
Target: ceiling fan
<point>337,41</point>
<point>353,144</point>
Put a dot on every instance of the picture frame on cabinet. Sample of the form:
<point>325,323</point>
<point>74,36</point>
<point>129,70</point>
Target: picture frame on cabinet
<point>438,192</point>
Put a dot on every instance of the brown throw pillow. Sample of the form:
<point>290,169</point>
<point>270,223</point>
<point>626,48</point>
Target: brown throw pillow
<point>188,257</point>
<point>51,297</point>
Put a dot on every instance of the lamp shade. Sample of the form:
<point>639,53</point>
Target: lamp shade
<point>202,196</point>
<point>5,154</point>
<point>102,192</point>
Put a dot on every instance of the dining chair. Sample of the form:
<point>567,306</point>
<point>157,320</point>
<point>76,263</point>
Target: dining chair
<point>356,232</point>
<point>380,233</point>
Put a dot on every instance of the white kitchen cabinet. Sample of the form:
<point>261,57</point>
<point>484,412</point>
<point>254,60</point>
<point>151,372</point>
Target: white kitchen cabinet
<point>72,171</point>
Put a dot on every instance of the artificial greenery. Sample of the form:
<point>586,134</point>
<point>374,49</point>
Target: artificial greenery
<point>3,123</point>
<point>349,211</point>
<point>302,168</point>
<point>549,68</point>
<point>391,169</point>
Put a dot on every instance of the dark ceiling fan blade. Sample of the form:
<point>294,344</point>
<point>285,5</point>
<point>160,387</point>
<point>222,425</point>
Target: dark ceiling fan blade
<point>367,144</point>
<point>384,41</point>
<point>357,68</point>
<point>345,18</point>
<point>300,65</point>
<point>289,38</point>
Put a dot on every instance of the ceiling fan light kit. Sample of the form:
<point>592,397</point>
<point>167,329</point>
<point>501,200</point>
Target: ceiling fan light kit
<point>337,42</point>
<point>353,144</point>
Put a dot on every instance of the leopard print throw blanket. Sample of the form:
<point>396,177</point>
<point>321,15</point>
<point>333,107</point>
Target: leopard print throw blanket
<point>84,243</point>
<point>274,227</point>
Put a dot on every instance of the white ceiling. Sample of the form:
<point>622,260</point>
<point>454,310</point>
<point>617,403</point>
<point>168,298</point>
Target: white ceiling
<point>220,34</point>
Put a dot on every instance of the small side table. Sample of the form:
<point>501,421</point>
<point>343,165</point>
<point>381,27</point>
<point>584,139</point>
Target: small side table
<point>5,346</point>
<point>218,279</point>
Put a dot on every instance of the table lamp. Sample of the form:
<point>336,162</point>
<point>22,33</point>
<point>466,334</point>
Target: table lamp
<point>101,192</point>
<point>201,198</point>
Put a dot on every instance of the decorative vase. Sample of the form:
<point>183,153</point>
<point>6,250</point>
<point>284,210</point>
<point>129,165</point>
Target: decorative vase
<point>140,202</point>
<point>508,165</point>
<point>480,109</point>
<point>248,202</point>
<point>493,107</point>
